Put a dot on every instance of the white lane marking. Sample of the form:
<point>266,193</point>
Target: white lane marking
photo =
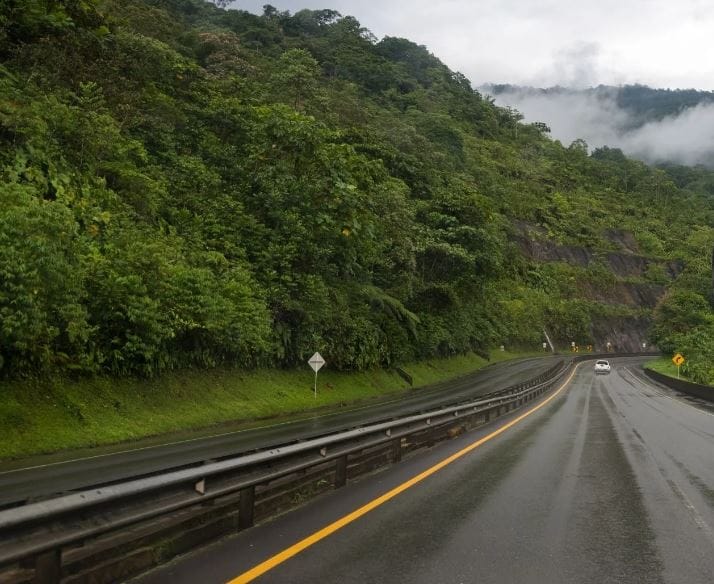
<point>691,509</point>
<point>95,456</point>
<point>208,437</point>
<point>662,394</point>
<point>187,440</point>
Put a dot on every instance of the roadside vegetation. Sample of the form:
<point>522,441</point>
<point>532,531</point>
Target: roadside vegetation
<point>664,366</point>
<point>688,371</point>
<point>185,188</point>
<point>54,415</point>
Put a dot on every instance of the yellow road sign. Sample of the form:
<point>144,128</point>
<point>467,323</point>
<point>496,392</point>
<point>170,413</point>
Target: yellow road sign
<point>678,359</point>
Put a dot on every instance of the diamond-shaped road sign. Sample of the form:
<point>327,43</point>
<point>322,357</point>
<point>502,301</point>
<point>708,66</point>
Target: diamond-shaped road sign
<point>316,362</point>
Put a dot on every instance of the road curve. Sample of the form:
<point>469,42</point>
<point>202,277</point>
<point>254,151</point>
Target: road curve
<point>611,481</point>
<point>45,476</point>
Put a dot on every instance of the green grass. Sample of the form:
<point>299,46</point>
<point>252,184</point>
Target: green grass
<point>664,366</point>
<point>50,416</point>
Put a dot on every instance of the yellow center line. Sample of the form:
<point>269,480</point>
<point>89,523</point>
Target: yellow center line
<point>312,539</point>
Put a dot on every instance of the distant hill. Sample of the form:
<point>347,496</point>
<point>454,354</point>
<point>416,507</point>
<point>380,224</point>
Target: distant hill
<point>656,125</point>
<point>643,103</point>
<point>646,104</point>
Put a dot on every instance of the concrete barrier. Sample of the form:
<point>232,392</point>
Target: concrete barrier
<point>703,391</point>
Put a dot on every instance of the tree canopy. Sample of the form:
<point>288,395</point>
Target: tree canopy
<point>183,185</point>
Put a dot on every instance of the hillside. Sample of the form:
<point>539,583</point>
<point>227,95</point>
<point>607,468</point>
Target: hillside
<point>185,186</point>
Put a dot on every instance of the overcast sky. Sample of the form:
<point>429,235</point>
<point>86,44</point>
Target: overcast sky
<point>576,43</point>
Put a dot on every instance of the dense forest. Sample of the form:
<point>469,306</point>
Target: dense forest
<point>183,185</point>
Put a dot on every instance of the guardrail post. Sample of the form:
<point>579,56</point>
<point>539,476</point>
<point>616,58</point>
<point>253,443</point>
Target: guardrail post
<point>420,429</point>
<point>246,508</point>
<point>341,471</point>
<point>396,450</point>
<point>48,567</point>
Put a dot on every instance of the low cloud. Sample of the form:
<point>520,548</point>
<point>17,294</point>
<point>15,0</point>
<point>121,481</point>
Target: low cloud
<point>576,65</point>
<point>685,138</point>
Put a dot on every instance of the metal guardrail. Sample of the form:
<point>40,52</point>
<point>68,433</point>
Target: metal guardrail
<point>34,534</point>
<point>81,500</point>
<point>33,530</point>
<point>36,538</point>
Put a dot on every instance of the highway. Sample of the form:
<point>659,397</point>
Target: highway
<point>45,476</point>
<point>608,479</point>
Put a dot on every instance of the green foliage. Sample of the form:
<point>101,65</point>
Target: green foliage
<point>169,310</point>
<point>570,319</point>
<point>49,415</point>
<point>679,313</point>
<point>44,321</point>
<point>698,346</point>
<point>295,77</point>
<point>184,185</point>
<point>27,20</point>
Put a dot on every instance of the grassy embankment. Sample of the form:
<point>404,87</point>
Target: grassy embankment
<point>50,416</point>
<point>664,366</point>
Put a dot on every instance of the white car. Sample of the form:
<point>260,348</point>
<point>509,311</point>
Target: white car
<point>602,366</point>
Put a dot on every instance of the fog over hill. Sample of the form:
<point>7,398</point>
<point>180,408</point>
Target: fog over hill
<point>655,125</point>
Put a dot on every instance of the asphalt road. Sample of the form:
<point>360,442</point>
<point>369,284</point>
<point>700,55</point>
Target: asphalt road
<point>43,477</point>
<point>612,480</point>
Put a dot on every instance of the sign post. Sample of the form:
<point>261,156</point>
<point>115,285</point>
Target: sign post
<point>316,362</point>
<point>678,360</point>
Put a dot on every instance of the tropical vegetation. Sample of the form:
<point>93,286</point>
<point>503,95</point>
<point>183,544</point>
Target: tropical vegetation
<point>183,186</point>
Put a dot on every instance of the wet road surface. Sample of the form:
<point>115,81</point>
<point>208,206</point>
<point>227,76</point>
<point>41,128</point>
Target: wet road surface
<point>611,481</point>
<point>46,475</point>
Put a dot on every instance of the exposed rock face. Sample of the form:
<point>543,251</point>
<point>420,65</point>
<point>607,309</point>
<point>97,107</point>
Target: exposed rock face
<point>624,265</point>
<point>631,294</point>
<point>624,333</point>
<point>624,240</point>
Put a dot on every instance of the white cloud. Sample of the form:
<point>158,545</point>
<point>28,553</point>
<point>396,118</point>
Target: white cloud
<point>597,120</point>
<point>686,138</point>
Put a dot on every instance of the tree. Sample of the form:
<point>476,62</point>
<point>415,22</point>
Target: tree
<point>296,77</point>
<point>43,320</point>
<point>23,21</point>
